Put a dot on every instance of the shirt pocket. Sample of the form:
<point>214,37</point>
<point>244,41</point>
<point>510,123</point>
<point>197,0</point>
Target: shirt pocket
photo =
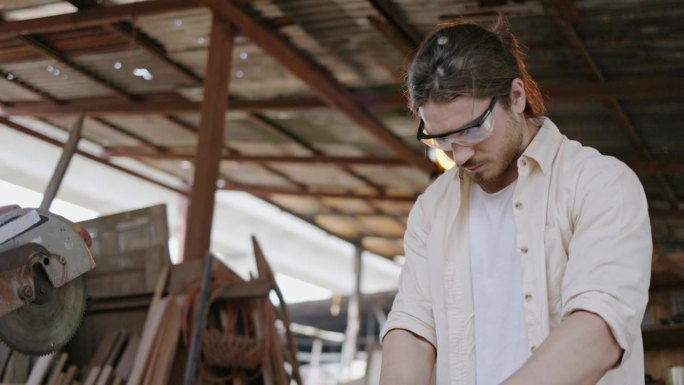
<point>556,259</point>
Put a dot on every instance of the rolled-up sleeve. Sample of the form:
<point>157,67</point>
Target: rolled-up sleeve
<point>412,307</point>
<point>609,254</point>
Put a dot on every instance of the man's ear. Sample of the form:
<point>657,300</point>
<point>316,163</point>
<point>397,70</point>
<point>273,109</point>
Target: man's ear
<point>518,99</point>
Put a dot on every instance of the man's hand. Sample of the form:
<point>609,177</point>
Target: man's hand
<point>406,359</point>
<point>580,351</point>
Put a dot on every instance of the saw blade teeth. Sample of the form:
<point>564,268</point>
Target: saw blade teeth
<point>38,330</point>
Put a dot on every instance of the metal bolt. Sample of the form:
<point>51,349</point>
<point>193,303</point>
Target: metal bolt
<point>62,260</point>
<point>26,292</point>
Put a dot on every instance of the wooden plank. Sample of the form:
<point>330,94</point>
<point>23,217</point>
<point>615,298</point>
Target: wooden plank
<point>69,375</point>
<point>169,335</point>
<point>102,350</point>
<point>112,358</point>
<point>103,377</point>
<point>157,311</point>
<point>40,370</point>
<point>210,141</point>
<point>57,370</point>
<point>91,378</point>
<point>5,354</point>
<point>17,370</point>
<point>125,365</point>
<point>257,288</point>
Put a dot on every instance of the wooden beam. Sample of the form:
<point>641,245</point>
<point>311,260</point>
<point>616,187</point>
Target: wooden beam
<point>392,35</point>
<point>145,153</point>
<point>166,103</point>
<point>393,16</point>
<point>210,141</point>
<point>318,79</point>
<point>268,191</point>
<point>99,159</point>
<point>93,17</point>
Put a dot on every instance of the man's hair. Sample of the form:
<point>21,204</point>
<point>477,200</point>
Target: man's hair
<point>465,59</point>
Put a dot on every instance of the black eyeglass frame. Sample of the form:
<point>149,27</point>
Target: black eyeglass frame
<point>475,123</point>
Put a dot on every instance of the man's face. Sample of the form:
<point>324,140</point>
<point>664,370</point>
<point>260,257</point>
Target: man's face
<point>491,163</point>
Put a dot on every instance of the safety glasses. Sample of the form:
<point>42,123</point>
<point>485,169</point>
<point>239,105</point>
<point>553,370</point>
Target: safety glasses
<point>468,135</point>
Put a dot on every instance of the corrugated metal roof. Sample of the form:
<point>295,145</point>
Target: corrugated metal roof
<point>628,40</point>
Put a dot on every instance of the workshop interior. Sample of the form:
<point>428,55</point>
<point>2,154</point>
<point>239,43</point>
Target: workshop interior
<point>216,191</point>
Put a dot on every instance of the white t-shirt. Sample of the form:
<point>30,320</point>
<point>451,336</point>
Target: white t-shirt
<point>500,332</point>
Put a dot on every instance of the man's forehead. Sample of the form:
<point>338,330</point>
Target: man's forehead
<point>464,105</point>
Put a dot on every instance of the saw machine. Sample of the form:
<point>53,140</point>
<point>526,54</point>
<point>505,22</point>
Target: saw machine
<point>42,290</point>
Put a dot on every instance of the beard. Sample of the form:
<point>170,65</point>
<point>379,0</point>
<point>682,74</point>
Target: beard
<point>502,169</point>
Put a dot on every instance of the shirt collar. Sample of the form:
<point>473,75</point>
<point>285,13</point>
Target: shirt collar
<point>544,145</point>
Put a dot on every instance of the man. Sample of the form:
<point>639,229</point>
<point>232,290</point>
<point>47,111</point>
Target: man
<point>529,263</point>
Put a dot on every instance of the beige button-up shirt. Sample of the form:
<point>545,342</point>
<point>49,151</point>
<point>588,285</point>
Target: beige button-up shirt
<point>583,236</point>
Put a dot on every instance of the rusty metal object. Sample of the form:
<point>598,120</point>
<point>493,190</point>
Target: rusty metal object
<point>42,291</point>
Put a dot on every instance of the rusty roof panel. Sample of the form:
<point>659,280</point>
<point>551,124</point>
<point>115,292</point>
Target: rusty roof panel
<point>129,70</point>
<point>321,176</point>
<point>299,205</point>
<point>97,132</point>
<point>349,206</point>
<point>384,226</point>
<point>344,226</point>
<point>407,178</point>
<point>157,130</point>
<point>384,246</point>
<point>56,79</point>
<point>252,174</point>
<point>12,91</point>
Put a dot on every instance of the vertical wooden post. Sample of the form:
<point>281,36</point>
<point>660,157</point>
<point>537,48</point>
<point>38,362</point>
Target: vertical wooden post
<point>353,320</point>
<point>214,105</point>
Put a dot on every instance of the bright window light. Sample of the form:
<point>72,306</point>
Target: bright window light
<point>12,194</point>
<point>295,290</point>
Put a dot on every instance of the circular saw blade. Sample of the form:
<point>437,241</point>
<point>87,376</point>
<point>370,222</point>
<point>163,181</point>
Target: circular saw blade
<point>48,323</point>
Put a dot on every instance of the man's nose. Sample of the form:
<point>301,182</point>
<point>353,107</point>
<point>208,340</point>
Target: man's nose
<point>461,154</point>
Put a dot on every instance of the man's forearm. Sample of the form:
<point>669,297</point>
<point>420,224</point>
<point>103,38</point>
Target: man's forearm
<point>580,351</point>
<point>406,359</point>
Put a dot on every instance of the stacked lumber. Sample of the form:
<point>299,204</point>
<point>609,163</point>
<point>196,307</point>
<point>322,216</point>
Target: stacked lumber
<point>122,357</point>
<point>240,319</point>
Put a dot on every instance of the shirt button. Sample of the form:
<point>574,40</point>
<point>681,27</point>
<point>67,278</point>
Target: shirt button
<point>523,162</point>
<point>533,348</point>
<point>528,297</point>
<point>518,205</point>
<point>523,250</point>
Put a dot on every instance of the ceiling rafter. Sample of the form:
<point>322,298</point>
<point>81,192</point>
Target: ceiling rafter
<point>394,17</point>
<point>268,191</point>
<point>615,109</point>
<point>169,102</point>
<point>43,46</point>
<point>392,35</point>
<point>143,153</point>
<point>334,93</point>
